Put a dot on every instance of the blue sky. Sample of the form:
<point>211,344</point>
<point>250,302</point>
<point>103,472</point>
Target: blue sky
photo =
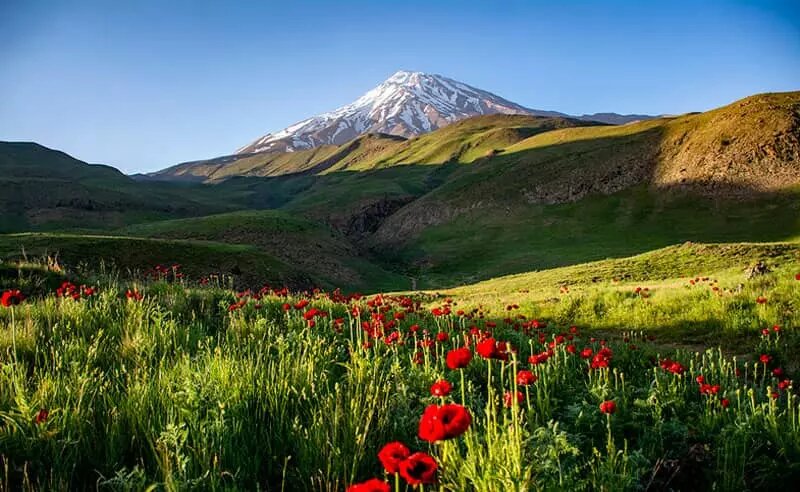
<point>142,85</point>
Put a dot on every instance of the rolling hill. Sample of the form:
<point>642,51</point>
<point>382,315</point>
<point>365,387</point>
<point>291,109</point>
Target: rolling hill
<point>479,198</point>
<point>324,254</point>
<point>42,189</point>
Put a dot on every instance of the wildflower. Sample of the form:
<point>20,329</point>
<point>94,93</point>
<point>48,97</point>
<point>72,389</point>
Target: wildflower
<point>391,455</point>
<point>508,399</point>
<point>459,358</point>
<point>371,485</point>
<point>586,353</point>
<point>708,389</point>
<point>443,422</point>
<point>441,388</point>
<point>525,378</point>
<point>442,336</point>
<point>487,348</point>
<point>761,300</point>
<point>11,298</point>
<point>133,295</point>
<point>765,358</point>
<point>41,416</point>
<point>700,379</point>
<point>419,468</point>
<point>537,359</point>
<point>725,402</point>
<point>672,366</point>
<point>608,407</point>
<point>602,358</point>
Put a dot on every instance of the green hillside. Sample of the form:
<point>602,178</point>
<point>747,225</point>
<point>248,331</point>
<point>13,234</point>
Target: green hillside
<point>307,246</point>
<point>248,264</point>
<point>464,141</point>
<point>44,189</point>
<point>581,194</point>
<point>480,198</point>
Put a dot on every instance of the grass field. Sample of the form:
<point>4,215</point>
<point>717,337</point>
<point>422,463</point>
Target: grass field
<point>181,385</point>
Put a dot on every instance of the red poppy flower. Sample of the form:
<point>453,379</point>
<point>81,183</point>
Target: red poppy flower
<point>725,402</point>
<point>41,416</point>
<point>608,407</point>
<point>784,384</point>
<point>508,399</point>
<point>371,485</point>
<point>797,277</point>
<point>524,378</point>
<point>672,366</point>
<point>459,358</point>
<point>761,300</point>
<point>418,468</point>
<point>441,388</point>
<point>765,358</point>
<point>586,353</point>
<point>700,379</point>
<point>391,455</point>
<point>11,298</point>
<point>444,422</point>
<point>442,336</point>
<point>134,295</point>
<point>708,389</point>
<point>487,348</point>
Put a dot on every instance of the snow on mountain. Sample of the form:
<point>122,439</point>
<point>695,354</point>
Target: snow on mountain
<point>406,104</point>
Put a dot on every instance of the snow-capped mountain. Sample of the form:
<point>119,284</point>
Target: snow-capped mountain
<point>406,104</point>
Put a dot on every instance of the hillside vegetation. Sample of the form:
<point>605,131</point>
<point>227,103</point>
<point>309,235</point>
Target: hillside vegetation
<point>137,383</point>
<point>483,197</point>
<point>310,247</point>
<point>44,189</point>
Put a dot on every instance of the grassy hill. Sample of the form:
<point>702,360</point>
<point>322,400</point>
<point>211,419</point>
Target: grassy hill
<point>307,246</point>
<point>464,141</point>
<point>580,194</point>
<point>131,256</point>
<point>691,290</point>
<point>484,197</point>
<point>44,189</point>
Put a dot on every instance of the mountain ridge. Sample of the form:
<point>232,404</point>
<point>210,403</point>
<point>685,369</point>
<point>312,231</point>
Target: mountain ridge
<point>406,104</point>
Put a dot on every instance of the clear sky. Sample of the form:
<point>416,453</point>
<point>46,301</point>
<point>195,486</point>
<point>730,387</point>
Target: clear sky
<point>142,85</point>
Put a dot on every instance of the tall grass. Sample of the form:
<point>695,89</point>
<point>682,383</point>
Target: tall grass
<point>182,391</point>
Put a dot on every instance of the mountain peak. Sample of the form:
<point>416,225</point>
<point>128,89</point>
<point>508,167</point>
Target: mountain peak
<point>406,104</point>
